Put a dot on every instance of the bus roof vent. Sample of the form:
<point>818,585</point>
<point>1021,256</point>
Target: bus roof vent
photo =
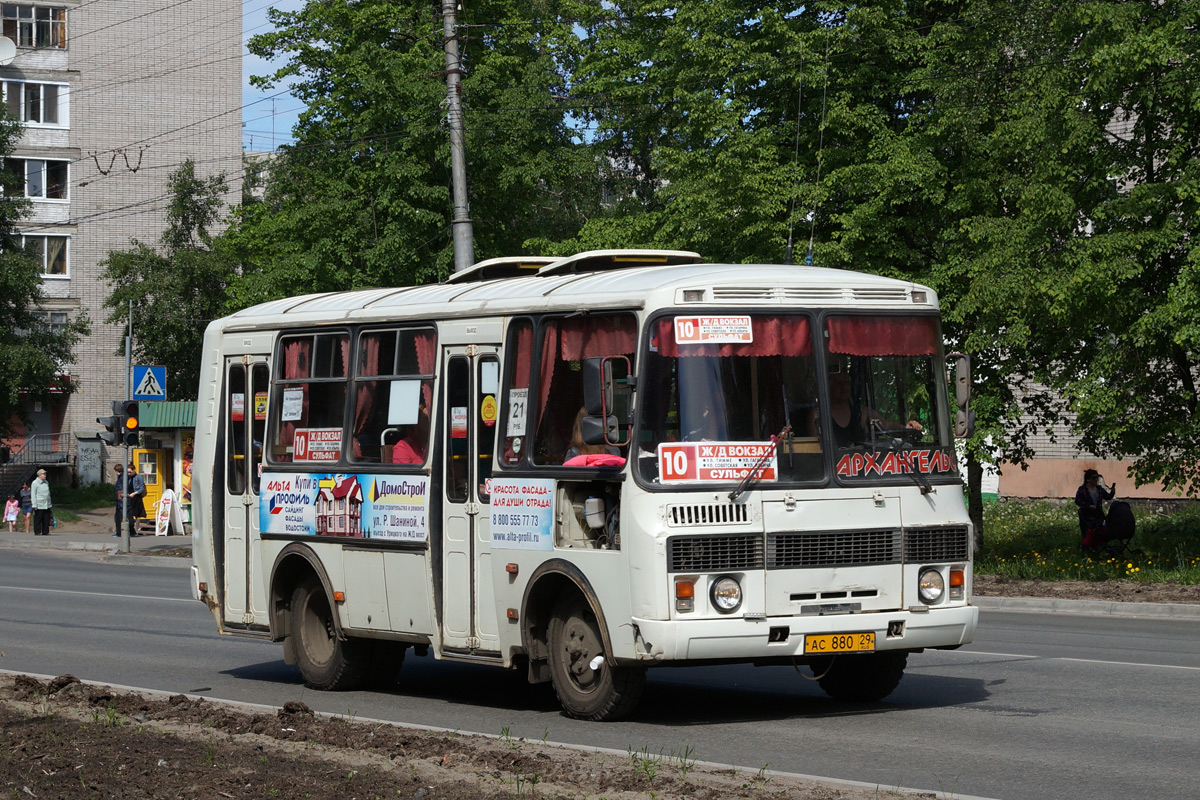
<point>777,294</point>
<point>504,267</point>
<point>879,294</point>
<point>603,260</point>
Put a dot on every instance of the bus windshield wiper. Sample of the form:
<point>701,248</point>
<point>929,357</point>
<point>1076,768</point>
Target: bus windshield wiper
<point>754,472</point>
<point>900,443</point>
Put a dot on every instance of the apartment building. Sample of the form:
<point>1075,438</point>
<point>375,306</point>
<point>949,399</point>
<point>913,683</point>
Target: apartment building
<point>114,94</point>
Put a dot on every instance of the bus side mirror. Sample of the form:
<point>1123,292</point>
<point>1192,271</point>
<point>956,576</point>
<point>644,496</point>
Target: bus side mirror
<point>600,430</point>
<point>964,417</point>
<point>607,382</point>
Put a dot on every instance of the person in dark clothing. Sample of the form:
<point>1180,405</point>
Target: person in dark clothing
<point>119,487</point>
<point>1091,497</point>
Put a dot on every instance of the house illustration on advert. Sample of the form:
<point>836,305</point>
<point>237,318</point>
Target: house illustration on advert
<point>339,507</point>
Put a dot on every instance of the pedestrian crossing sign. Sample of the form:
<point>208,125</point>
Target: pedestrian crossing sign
<point>149,383</point>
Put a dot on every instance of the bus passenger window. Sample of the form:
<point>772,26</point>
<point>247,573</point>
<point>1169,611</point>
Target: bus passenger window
<point>458,443</point>
<point>310,396</point>
<point>235,404</point>
<point>393,396</point>
<point>516,400</point>
<point>485,426</point>
<point>566,342</point>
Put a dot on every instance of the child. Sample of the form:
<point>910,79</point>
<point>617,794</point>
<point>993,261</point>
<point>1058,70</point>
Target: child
<point>10,513</point>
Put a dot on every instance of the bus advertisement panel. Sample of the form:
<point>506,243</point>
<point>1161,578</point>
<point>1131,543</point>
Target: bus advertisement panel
<point>392,507</point>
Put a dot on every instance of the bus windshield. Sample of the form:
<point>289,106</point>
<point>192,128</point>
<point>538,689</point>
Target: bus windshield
<point>887,407</point>
<point>733,381</point>
<point>716,391</point>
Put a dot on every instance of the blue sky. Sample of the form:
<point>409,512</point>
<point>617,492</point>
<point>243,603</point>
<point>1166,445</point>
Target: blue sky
<point>266,122</point>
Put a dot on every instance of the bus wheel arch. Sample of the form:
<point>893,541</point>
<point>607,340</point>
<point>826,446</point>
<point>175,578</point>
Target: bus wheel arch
<point>294,565</point>
<point>567,642</point>
<point>551,583</point>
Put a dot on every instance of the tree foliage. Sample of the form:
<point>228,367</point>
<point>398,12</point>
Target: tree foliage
<point>1035,164</point>
<point>361,198</point>
<point>178,287</point>
<point>32,354</point>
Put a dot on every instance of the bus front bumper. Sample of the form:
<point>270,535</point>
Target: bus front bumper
<point>750,639</point>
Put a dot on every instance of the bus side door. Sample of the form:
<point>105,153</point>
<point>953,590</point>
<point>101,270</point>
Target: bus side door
<point>245,419</point>
<point>469,617</point>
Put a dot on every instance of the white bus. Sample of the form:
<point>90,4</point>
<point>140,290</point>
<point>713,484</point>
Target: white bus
<point>586,467</point>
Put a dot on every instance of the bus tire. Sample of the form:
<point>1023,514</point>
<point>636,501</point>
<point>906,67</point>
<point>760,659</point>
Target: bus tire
<point>865,678</point>
<point>325,661</point>
<point>607,692</point>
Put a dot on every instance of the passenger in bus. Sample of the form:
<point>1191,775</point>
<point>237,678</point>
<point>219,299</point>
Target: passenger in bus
<point>414,441</point>
<point>848,427</point>
<point>601,455</point>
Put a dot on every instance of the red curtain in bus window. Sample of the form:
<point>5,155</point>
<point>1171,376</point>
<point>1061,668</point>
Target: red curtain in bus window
<point>426,345</point>
<point>883,336</point>
<point>549,351</point>
<point>366,390</point>
<point>297,363</point>
<point>773,336</point>
<point>524,345</point>
<point>595,337</point>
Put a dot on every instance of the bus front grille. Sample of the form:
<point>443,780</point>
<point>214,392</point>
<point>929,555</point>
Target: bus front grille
<point>833,549</point>
<point>714,553</point>
<point>936,544</point>
<point>707,514</point>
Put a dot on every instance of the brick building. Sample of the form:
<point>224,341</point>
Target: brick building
<point>115,94</point>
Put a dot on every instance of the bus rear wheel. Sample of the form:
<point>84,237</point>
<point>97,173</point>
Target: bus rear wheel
<point>325,661</point>
<point>862,678</point>
<point>599,691</point>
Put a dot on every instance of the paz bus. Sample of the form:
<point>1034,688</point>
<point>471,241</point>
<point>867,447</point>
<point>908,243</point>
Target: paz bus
<point>585,467</point>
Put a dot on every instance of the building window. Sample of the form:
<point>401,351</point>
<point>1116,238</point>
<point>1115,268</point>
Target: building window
<point>55,321</point>
<point>36,103</point>
<point>35,26</point>
<point>43,180</point>
<point>52,250</point>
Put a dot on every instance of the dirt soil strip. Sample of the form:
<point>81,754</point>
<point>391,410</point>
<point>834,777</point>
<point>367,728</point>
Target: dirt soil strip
<point>1115,591</point>
<point>61,737</point>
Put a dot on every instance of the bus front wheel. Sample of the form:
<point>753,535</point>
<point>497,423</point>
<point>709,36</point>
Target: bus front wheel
<point>325,661</point>
<point>588,686</point>
<point>863,678</point>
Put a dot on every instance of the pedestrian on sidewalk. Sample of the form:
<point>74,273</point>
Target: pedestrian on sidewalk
<point>26,498</point>
<point>11,508</point>
<point>137,490</point>
<point>42,505</point>
<point>119,491</point>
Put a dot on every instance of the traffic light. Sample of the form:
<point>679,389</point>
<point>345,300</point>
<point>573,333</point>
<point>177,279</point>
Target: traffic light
<point>114,425</point>
<point>129,419</point>
<point>122,427</point>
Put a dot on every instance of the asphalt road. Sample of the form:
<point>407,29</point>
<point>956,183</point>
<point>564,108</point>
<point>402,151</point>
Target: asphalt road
<point>1040,706</point>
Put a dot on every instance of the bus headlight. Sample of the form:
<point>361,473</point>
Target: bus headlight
<point>930,586</point>
<point>725,594</point>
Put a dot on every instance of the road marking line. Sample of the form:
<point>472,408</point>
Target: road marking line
<point>99,594</point>
<point>1125,663</point>
<point>1066,658</point>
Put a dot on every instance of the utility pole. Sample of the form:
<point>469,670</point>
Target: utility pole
<point>464,236</point>
<point>124,531</point>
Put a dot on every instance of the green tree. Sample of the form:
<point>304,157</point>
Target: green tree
<point>178,287</point>
<point>361,197</point>
<point>32,354</point>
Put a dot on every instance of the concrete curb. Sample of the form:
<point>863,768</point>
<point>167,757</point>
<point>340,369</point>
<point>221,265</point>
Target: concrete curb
<point>750,772</point>
<point>1096,608</point>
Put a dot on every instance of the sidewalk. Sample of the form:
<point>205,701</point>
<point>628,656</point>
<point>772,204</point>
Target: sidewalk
<point>92,532</point>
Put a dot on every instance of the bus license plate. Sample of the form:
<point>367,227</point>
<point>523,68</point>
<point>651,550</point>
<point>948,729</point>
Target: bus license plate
<point>822,643</point>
